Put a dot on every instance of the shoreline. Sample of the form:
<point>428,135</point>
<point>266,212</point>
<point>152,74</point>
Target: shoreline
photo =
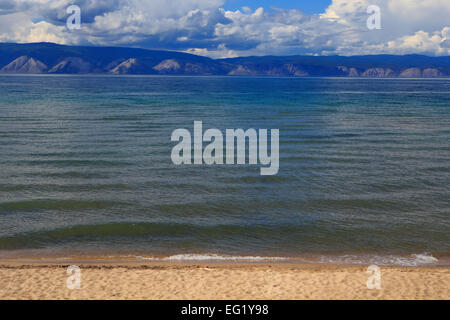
<point>110,257</point>
<point>218,281</point>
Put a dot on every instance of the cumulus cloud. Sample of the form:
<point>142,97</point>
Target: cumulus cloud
<point>204,27</point>
<point>408,26</point>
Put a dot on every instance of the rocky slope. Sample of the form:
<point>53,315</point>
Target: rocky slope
<point>25,64</point>
<point>72,65</point>
<point>129,66</point>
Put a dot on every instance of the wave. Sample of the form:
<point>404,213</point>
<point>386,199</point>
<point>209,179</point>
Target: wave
<point>57,204</point>
<point>414,260</point>
<point>211,257</point>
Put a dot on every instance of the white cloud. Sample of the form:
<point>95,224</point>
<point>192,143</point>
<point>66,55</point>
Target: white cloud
<point>221,52</point>
<point>17,27</point>
<point>202,27</point>
<point>420,42</point>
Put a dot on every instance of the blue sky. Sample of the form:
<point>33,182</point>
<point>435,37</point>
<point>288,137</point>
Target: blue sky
<point>223,28</point>
<point>307,6</point>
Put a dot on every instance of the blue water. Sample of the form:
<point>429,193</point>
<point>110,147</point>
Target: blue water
<point>86,167</point>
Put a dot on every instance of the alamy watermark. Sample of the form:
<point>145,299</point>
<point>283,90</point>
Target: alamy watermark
<point>73,22</point>
<point>374,280</point>
<point>374,20</point>
<point>190,151</point>
<point>73,282</point>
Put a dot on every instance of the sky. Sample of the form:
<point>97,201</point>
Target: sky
<point>231,28</point>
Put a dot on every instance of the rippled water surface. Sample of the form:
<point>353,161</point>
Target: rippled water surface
<point>364,167</point>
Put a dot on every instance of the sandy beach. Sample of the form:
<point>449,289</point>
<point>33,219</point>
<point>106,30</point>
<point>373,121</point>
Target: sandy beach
<point>219,281</point>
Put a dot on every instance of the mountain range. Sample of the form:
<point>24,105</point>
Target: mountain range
<point>49,58</point>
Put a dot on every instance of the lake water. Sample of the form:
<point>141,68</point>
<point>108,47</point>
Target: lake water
<point>85,167</point>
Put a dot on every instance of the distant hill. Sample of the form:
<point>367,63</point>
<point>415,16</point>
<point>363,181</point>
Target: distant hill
<point>353,66</point>
<point>114,60</point>
<point>37,58</point>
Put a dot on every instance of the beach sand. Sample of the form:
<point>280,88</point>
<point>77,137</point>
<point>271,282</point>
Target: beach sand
<point>219,281</point>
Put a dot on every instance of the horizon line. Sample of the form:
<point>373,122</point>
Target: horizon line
<point>197,55</point>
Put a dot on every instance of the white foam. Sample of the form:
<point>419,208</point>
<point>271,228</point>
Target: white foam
<point>211,257</point>
<point>424,258</point>
<point>414,260</point>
